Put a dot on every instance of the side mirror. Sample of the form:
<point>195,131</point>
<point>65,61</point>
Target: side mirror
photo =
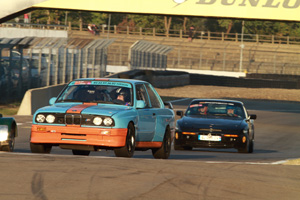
<point>179,113</point>
<point>169,105</point>
<point>52,100</point>
<point>253,116</point>
<point>140,104</point>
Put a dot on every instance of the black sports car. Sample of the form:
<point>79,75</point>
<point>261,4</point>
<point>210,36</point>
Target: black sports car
<point>215,123</point>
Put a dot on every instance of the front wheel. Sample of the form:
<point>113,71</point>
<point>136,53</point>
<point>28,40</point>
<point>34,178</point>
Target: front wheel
<point>247,147</point>
<point>128,149</point>
<point>40,148</point>
<point>164,151</point>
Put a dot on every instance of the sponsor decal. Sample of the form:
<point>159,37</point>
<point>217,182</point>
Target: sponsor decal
<point>289,4</point>
<point>107,83</point>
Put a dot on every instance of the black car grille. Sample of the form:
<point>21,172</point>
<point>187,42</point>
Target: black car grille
<point>72,119</point>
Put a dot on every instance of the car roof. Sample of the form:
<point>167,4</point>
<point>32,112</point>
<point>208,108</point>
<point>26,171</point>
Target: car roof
<point>133,81</point>
<point>219,100</point>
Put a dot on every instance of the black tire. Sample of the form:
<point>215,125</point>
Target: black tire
<point>40,148</point>
<point>246,148</point>
<point>80,152</point>
<point>129,148</point>
<point>164,151</point>
<point>251,146</point>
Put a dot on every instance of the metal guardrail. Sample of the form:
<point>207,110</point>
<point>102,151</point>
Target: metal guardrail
<point>34,62</point>
<point>148,55</point>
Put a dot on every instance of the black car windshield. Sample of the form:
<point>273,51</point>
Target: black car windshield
<point>108,92</point>
<point>215,109</point>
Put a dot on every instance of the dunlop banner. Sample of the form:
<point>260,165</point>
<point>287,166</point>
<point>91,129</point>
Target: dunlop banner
<point>247,9</point>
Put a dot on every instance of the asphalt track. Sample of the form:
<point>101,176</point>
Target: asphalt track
<point>197,174</point>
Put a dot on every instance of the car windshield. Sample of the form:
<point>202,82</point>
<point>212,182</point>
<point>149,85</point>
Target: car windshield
<point>108,92</point>
<point>215,109</point>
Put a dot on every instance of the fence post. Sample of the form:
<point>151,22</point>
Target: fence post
<point>222,36</point>
<point>80,25</point>
<point>180,33</point>
<point>141,31</point>
<point>288,40</point>
<point>208,35</point>
<point>115,29</point>
<point>70,26</point>
<point>153,31</point>
<point>257,38</point>
<point>236,37</point>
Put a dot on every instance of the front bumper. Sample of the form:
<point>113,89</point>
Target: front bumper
<point>235,141</point>
<point>56,135</point>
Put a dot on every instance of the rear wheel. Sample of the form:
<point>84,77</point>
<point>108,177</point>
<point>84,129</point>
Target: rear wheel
<point>40,148</point>
<point>128,149</point>
<point>164,151</point>
<point>80,152</point>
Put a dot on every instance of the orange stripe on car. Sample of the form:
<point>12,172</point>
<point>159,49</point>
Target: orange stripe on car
<point>79,108</point>
<point>148,144</point>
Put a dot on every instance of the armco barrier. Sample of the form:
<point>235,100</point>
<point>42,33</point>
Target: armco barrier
<point>38,97</point>
<point>197,79</point>
<point>159,79</point>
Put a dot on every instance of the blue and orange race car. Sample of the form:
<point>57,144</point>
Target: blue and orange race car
<point>116,114</point>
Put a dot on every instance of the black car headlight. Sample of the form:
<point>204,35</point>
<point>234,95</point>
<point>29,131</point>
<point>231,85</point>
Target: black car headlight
<point>245,131</point>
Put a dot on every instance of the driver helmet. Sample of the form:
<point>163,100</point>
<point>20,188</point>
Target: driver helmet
<point>125,92</point>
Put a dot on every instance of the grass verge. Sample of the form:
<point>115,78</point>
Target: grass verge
<point>9,109</point>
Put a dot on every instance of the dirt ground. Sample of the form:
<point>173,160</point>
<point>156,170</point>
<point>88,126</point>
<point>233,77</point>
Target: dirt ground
<point>199,91</point>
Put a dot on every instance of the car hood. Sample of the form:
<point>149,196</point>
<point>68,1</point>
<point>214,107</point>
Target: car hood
<point>99,109</point>
<point>193,123</point>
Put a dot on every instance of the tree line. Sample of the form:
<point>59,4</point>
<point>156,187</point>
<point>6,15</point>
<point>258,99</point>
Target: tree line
<point>261,27</point>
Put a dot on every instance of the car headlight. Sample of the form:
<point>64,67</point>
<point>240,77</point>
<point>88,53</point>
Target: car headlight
<point>245,131</point>
<point>97,121</point>
<point>3,132</point>
<point>108,121</point>
<point>50,118</point>
<point>40,118</point>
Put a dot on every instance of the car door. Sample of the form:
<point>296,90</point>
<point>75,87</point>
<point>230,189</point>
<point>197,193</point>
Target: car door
<point>146,116</point>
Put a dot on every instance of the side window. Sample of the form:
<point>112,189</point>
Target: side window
<point>153,97</point>
<point>141,94</point>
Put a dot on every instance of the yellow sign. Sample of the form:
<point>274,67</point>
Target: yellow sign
<point>247,9</point>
